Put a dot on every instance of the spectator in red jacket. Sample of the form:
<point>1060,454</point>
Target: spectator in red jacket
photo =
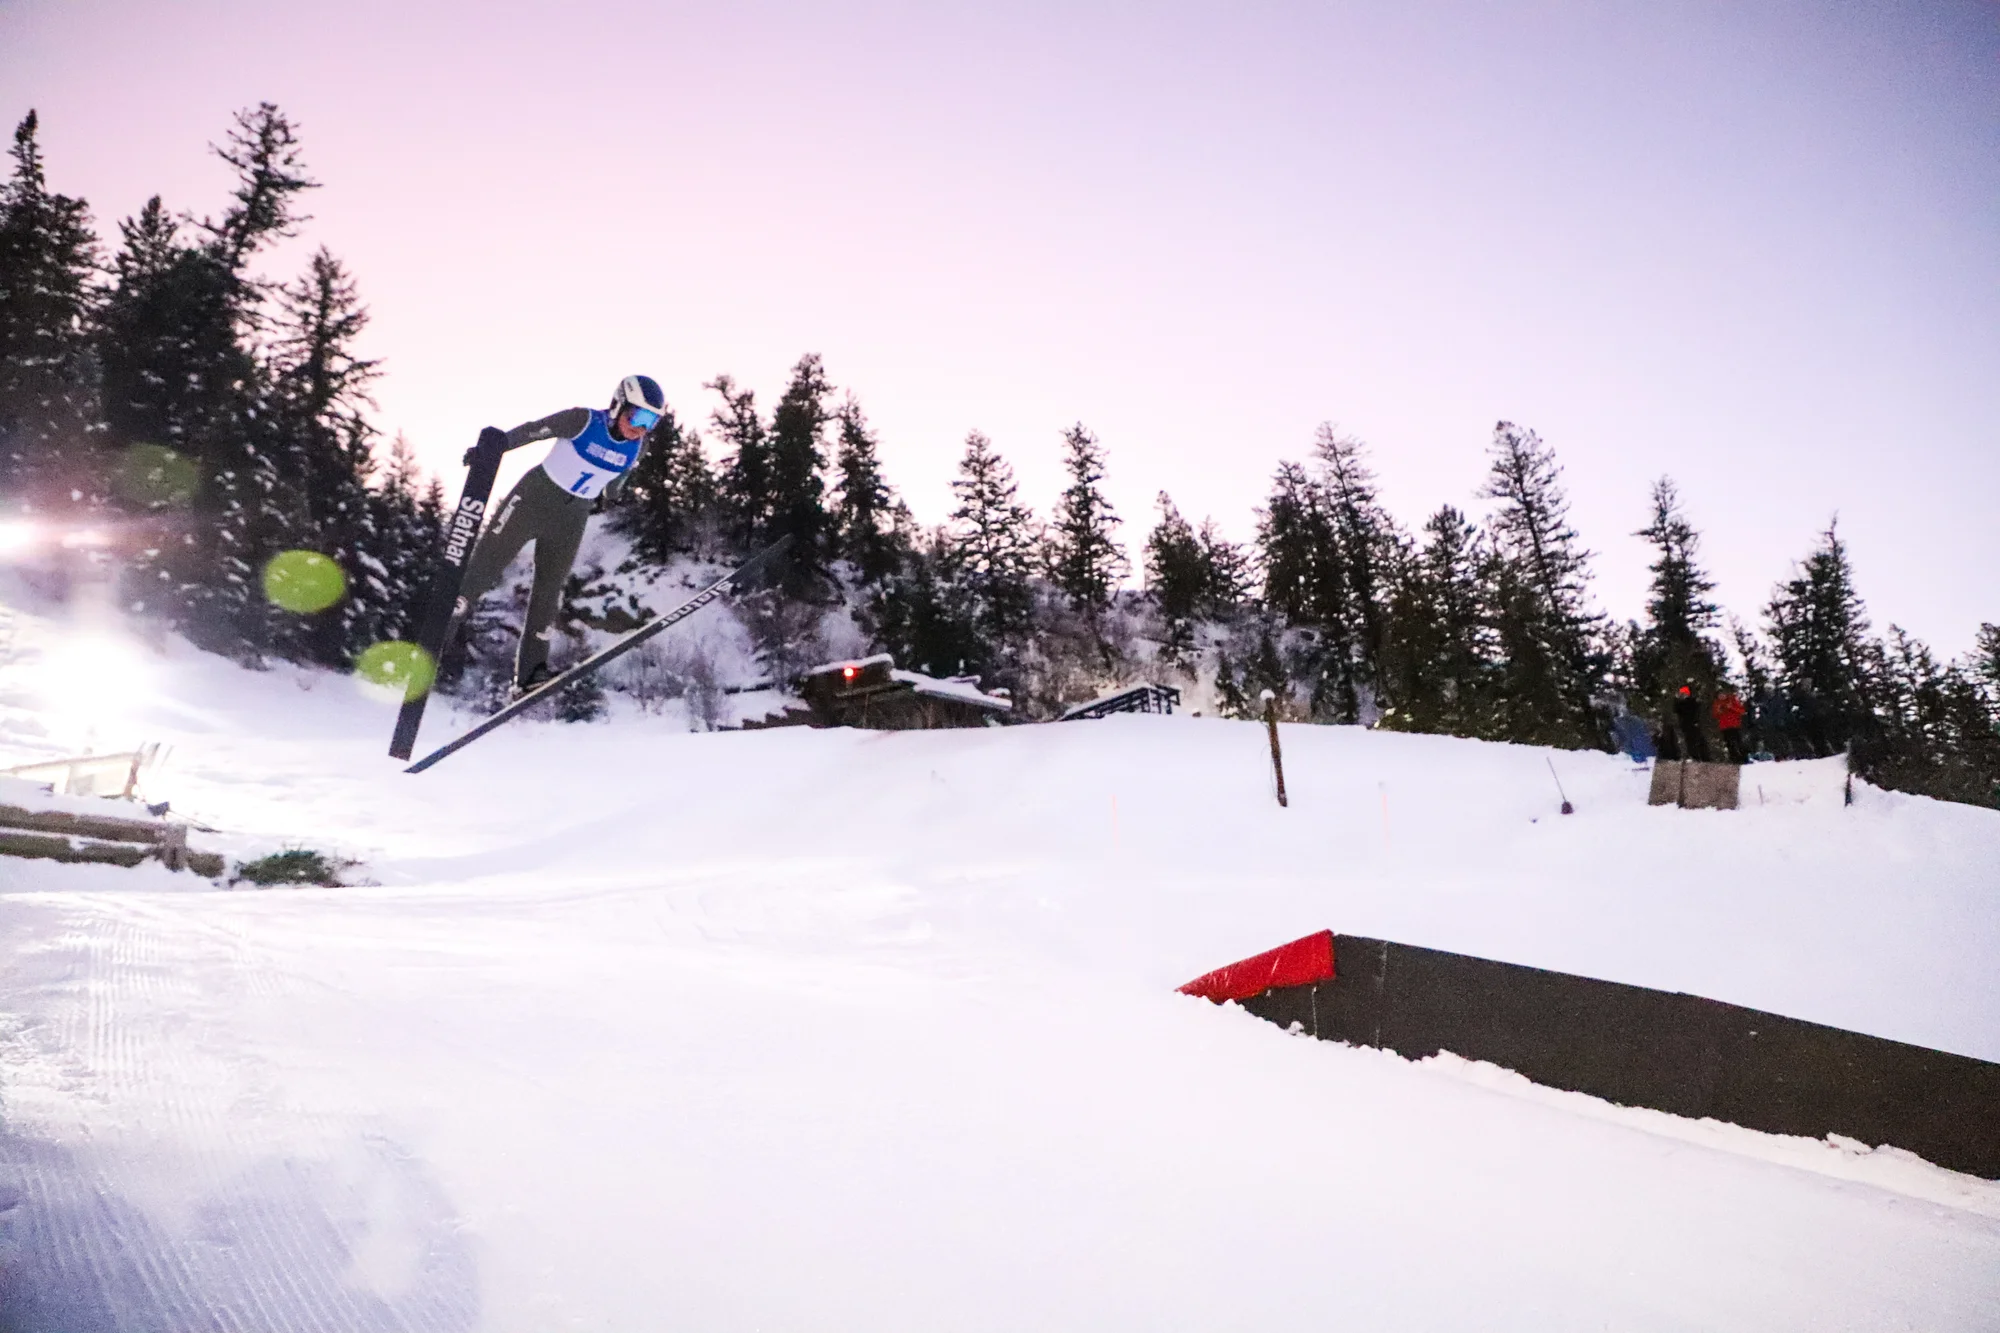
<point>1728,710</point>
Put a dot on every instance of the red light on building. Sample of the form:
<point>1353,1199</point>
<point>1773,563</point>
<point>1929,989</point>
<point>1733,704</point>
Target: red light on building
<point>847,673</point>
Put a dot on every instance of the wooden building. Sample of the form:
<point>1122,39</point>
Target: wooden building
<point>871,693</point>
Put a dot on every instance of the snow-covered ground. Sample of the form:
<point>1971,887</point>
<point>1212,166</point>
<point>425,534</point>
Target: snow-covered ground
<point>631,1028</point>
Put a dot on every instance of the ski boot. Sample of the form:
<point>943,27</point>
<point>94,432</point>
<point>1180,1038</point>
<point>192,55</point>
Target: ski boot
<point>537,678</point>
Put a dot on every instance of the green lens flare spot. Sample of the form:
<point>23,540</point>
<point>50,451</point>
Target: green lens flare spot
<point>303,581</point>
<point>152,476</point>
<point>396,665</point>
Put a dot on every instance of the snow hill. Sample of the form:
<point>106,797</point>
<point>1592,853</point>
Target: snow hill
<point>626,1027</point>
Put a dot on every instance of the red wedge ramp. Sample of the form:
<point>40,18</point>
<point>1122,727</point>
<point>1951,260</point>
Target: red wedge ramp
<point>1682,1054</point>
<point>1300,963</point>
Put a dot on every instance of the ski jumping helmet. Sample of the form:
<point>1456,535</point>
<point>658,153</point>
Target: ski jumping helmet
<point>642,394</point>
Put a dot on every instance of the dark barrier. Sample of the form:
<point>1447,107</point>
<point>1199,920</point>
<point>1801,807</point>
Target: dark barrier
<point>1639,1047</point>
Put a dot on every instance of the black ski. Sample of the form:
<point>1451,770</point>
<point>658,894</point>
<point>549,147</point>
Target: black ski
<point>442,596</point>
<point>591,664</point>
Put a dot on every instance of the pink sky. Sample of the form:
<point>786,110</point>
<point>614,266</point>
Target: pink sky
<point>1755,246</point>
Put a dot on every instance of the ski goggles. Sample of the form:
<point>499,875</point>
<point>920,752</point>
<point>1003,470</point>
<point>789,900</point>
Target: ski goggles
<point>645,418</point>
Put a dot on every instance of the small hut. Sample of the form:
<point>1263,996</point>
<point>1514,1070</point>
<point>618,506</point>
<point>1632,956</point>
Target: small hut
<point>870,693</point>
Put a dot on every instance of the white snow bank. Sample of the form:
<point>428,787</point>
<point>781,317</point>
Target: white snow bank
<point>1794,782</point>
<point>799,1029</point>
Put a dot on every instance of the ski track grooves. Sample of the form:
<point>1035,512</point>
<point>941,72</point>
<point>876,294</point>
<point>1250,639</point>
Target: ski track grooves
<point>115,1029</point>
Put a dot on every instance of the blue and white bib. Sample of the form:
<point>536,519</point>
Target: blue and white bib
<point>595,458</point>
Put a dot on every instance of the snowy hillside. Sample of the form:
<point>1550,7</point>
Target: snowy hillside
<point>625,1027</point>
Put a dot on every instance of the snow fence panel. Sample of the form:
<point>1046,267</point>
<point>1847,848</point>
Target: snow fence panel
<point>1672,1052</point>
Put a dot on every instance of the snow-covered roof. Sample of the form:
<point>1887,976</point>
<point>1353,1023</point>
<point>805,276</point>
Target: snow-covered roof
<point>962,690</point>
<point>856,663</point>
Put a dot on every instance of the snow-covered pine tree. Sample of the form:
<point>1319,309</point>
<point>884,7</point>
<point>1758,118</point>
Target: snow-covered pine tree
<point>1818,630</point>
<point>1227,577</point>
<point>176,343</point>
<point>325,445</point>
<point>669,499</point>
<point>992,545</point>
<point>1266,671</point>
<point>48,256</point>
<point>1553,665</point>
<point>869,536</point>
<point>408,528</point>
<point>1230,701</point>
<point>919,613</point>
<point>1083,556</point>
<point>1675,647</point>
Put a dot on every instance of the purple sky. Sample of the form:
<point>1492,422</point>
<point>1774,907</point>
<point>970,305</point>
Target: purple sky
<point>1756,246</point>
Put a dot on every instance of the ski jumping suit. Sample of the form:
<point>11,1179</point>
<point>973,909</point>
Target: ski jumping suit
<point>548,507</point>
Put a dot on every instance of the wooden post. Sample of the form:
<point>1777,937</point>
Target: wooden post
<point>174,846</point>
<point>1277,759</point>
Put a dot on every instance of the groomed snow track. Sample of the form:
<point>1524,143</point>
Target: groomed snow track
<point>187,1216</point>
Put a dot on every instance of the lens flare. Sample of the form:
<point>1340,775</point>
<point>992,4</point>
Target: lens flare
<point>394,665</point>
<point>17,536</point>
<point>152,476</point>
<point>303,581</point>
<point>90,679</point>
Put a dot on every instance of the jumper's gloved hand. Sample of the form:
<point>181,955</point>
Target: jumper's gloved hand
<point>490,438</point>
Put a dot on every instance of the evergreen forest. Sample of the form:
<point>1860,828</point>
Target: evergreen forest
<point>155,388</point>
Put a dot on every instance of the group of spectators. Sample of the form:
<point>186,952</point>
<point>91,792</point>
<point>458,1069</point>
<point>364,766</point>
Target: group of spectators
<point>1728,711</point>
<point>1683,736</point>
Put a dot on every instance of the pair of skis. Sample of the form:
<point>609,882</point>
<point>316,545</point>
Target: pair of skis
<point>443,599</point>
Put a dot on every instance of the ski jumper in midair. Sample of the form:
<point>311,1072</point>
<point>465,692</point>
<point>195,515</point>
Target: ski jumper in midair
<point>593,453</point>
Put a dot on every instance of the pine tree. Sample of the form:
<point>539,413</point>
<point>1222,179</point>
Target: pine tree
<point>325,447</point>
<point>1266,671</point>
<point>1438,659</point>
<point>1933,732</point>
<point>1230,701</point>
<point>868,534</point>
<point>1818,630</point>
<point>798,460</point>
<point>1227,579</point>
<point>1553,666</point>
<point>669,499</point>
<point>407,528</point>
<point>264,150</point>
<point>48,256</point>
<point>1985,665</point>
<point>180,371</point>
<point>1083,556</point>
<point>748,491</point>
<point>1295,537</point>
<point>922,614</point>
<point>1365,547</point>
<point>1176,578</point>
<point>1674,648</point>
<point>993,544</point>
